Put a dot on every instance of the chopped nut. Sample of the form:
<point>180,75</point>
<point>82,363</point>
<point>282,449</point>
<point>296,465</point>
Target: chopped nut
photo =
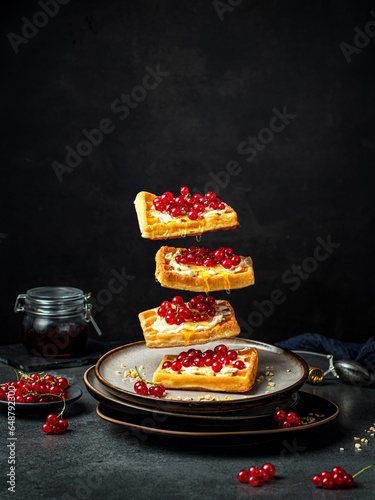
<point>341,449</point>
<point>271,367</point>
<point>207,396</point>
<point>267,366</point>
<point>261,376</point>
<point>269,379</point>
<point>167,397</point>
<point>356,439</point>
<point>127,373</point>
<point>200,398</point>
<point>289,371</point>
<point>271,374</point>
<point>229,398</point>
<point>218,399</point>
<point>179,398</point>
<point>133,375</point>
<point>272,384</point>
<point>122,364</point>
<point>363,440</point>
<point>372,434</point>
<point>141,367</point>
<point>267,373</point>
<point>143,374</point>
<point>246,397</point>
<point>372,428</point>
<point>124,379</point>
<point>258,380</point>
<point>358,446</point>
<point>118,371</point>
<point>188,399</point>
<point>138,379</point>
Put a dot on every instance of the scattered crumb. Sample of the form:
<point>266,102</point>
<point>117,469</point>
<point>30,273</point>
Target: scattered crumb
<point>188,399</point>
<point>141,367</point>
<point>358,446</point>
<point>372,434</point>
<point>272,384</point>
<point>267,392</point>
<point>372,428</point>
<point>261,376</point>
<point>208,396</point>
<point>277,408</point>
<point>200,398</point>
<point>218,399</point>
<point>288,371</point>
<point>127,373</point>
<point>122,364</point>
<point>179,398</point>
<point>341,449</point>
<point>271,374</point>
<point>271,367</point>
<point>356,439</point>
<point>167,397</point>
<point>133,375</point>
<point>267,366</point>
<point>246,397</point>
<point>124,379</point>
<point>229,398</point>
<point>267,373</point>
<point>118,371</point>
<point>258,380</point>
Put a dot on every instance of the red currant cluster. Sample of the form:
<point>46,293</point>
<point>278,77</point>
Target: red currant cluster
<point>55,424</point>
<point>199,308</point>
<point>223,256</point>
<point>216,359</point>
<point>185,204</point>
<point>34,388</point>
<point>338,476</point>
<point>254,475</point>
<point>141,387</point>
<point>286,420</point>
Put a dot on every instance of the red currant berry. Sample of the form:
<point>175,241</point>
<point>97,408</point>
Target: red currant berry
<point>225,360</point>
<point>226,263</point>
<point>348,481</point>
<point>158,391</point>
<point>30,399</point>
<point>221,349</point>
<point>216,366</point>
<point>201,307</point>
<point>219,254</point>
<point>52,418</point>
<point>210,196</point>
<point>338,470</point>
<point>253,481</point>
<point>240,365</point>
<point>141,389</point>
<point>193,215</point>
<point>55,390</point>
<point>221,206</point>
<point>177,300</point>
<point>236,260</point>
<point>176,212</point>
<point>210,300</point>
<point>280,416</point>
<point>263,476</point>
<point>232,355</point>
<point>196,317</point>
<point>34,376</point>
<point>49,378</point>
<point>325,475</point>
<point>270,469</point>
<point>253,471</point>
<point>166,365</point>
<point>211,311</point>
<point>19,399</point>
<point>327,484</point>
<point>297,423</point>
<point>208,361</point>
<point>186,362</point>
<point>228,251</point>
<point>63,424</point>
<point>46,427</point>
<point>317,480</point>
<point>35,387</point>
<point>176,366</point>
<point>171,320</point>
<point>243,476</point>
<point>184,191</point>
<point>291,417</point>
<point>2,395</point>
<point>338,478</point>
<point>56,428</point>
<point>167,197</point>
<point>286,424</point>
<point>198,362</point>
<point>61,396</point>
<point>166,305</point>
<point>208,262</point>
<point>42,399</point>
<point>161,312</point>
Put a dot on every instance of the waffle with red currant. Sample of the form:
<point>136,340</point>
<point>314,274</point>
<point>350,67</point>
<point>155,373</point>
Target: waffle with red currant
<point>178,323</point>
<point>219,370</point>
<point>166,216</point>
<point>203,270</point>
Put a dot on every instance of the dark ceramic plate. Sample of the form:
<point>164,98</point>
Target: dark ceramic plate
<point>254,414</point>
<point>172,427</point>
<point>72,394</point>
<point>289,372</point>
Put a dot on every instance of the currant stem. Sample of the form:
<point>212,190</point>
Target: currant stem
<point>369,467</point>
<point>62,411</point>
<point>144,380</point>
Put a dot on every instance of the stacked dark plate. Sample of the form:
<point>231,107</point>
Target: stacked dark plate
<point>281,374</point>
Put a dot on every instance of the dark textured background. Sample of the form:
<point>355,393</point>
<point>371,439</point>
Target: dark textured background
<point>313,180</point>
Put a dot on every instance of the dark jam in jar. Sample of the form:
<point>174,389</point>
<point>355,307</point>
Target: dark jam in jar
<point>55,321</point>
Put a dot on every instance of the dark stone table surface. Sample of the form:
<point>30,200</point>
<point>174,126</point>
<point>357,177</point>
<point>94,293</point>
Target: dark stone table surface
<point>96,459</point>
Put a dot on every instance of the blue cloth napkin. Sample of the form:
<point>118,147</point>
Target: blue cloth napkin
<point>363,353</point>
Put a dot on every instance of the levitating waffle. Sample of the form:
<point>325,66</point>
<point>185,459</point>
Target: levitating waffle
<point>158,333</point>
<point>172,274</point>
<point>228,379</point>
<point>157,225</point>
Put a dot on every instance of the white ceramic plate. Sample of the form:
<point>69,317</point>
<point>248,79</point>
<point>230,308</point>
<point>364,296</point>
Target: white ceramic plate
<point>289,373</point>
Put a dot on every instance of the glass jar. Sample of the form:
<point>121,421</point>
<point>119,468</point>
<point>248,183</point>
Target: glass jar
<point>55,320</point>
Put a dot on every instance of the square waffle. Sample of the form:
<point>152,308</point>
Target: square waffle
<point>199,278</point>
<point>154,228</point>
<point>228,379</point>
<point>188,333</point>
